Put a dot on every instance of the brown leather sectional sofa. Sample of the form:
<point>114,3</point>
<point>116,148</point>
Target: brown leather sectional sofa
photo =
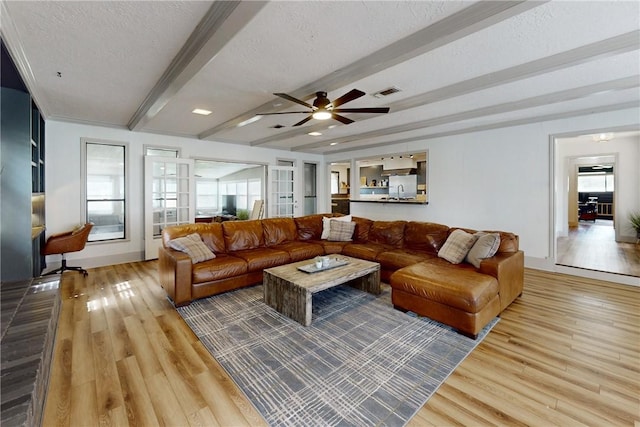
<point>459,295</point>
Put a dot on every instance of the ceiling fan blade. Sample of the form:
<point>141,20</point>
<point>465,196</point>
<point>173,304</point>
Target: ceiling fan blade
<point>347,97</point>
<point>362,110</point>
<point>303,121</point>
<point>284,112</point>
<point>341,119</point>
<point>292,99</point>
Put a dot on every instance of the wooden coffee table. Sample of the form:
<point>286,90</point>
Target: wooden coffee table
<point>290,290</point>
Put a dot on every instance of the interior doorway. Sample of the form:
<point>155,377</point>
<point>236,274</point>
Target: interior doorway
<point>310,188</point>
<point>340,185</point>
<point>591,231</point>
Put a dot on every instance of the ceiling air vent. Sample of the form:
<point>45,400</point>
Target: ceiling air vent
<point>386,92</point>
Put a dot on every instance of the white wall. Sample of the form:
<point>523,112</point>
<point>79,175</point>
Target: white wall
<point>498,179</point>
<point>64,184</point>
<point>626,151</point>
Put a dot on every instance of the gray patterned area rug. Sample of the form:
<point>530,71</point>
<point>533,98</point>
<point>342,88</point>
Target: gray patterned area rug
<point>360,363</point>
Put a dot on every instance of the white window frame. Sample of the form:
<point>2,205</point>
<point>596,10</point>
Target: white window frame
<point>127,188</point>
<point>147,147</point>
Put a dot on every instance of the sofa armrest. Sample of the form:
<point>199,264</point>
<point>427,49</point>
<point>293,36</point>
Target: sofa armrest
<point>174,269</point>
<point>508,269</point>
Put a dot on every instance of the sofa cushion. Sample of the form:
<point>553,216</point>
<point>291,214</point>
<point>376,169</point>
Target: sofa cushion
<point>300,250</point>
<point>341,231</point>
<point>310,226</point>
<point>509,242</point>
<point>279,230</point>
<point>363,226</point>
<point>425,236</point>
<point>193,246</point>
<point>326,224</point>
<point>367,251</point>
<point>396,259</point>
<point>210,233</point>
<point>461,288</point>
<point>243,235</point>
<point>457,246</point>
<point>222,267</point>
<point>261,258</point>
<point>485,246</point>
<point>331,247</point>
<point>387,233</point>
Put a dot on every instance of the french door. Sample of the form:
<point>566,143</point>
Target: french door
<point>169,198</point>
<point>283,192</point>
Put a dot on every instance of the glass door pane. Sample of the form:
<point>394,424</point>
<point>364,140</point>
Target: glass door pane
<point>169,199</point>
<point>282,194</point>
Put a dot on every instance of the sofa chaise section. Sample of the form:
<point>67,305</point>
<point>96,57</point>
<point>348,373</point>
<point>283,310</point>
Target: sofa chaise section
<point>460,295</point>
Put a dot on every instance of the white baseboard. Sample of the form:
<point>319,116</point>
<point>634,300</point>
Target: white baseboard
<point>599,275</point>
<point>547,264</point>
<point>94,262</point>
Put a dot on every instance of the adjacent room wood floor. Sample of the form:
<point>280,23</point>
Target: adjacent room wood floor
<point>566,353</point>
<point>592,246</point>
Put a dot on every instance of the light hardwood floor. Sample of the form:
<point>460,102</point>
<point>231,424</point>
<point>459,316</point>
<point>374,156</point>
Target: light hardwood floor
<point>566,353</point>
<point>592,246</point>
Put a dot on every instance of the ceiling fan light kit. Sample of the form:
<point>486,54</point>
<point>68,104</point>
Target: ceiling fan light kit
<point>321,115</point>
<point>324,109</point>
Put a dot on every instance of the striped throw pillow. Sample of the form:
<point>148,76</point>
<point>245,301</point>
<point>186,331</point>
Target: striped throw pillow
<point>193,246</point>
<point>457,246</point>
<point>341,231</point>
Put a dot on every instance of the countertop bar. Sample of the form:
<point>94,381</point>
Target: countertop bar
<point>393,202</point>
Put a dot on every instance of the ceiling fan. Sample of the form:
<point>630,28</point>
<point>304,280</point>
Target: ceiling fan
<point>323,108</point>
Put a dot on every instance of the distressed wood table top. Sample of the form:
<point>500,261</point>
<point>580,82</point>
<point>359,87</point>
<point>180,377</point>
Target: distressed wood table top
<point>316,282</point>
<point>289,290</point>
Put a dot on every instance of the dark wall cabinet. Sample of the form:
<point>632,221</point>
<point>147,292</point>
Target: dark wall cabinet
<point>22,192</point>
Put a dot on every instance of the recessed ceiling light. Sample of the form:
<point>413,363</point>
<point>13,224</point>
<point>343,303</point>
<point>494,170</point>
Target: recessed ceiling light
<point>603,137</point>
<point>201,111</point>
<point>332,126</point>
<point>334,143</point>
<point>314,133</point>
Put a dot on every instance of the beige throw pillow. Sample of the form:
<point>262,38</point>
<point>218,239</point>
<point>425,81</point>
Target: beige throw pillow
<point>193,246</point>
<point>485,247</point>
<point>341,231</point>
<point>457,246</point>
<point>326,221</point>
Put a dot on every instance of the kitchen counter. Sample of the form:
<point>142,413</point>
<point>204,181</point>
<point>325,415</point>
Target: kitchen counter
<point>393,201</point>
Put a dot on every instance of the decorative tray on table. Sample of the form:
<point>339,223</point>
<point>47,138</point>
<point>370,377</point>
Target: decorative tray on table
<point>332,263</point>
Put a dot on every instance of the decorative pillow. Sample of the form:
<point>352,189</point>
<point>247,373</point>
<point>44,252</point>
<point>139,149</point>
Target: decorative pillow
<point>457,246</point>
<point>193,246</point>
<point>326,221</point>
<point>485,247</point>
<point>341,231</point>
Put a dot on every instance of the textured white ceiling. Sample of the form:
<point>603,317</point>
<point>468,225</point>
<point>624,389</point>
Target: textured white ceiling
<point>459,64</point>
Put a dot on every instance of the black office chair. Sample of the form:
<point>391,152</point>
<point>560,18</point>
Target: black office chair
<point>63,243</point>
